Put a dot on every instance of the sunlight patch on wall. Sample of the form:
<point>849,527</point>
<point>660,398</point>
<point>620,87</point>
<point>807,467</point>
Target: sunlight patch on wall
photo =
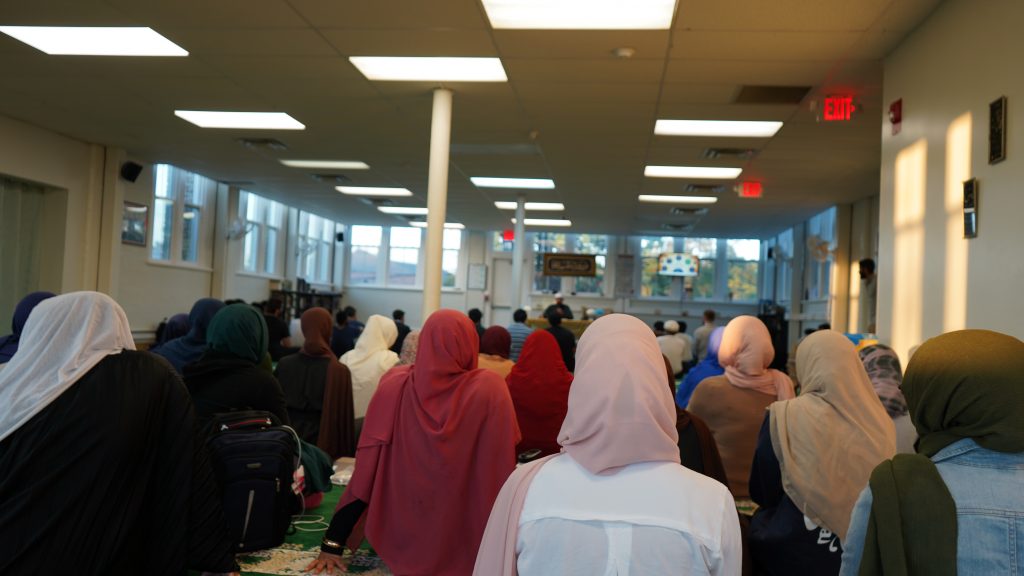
<point>958,169</point>
<point>908,261</point>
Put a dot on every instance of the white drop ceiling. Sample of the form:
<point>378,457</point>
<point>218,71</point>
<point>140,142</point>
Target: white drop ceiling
<point>571,111</point>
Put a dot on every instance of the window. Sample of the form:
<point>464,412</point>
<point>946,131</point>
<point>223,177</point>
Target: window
<point>450,257</point>
<point>316,248</point>
<point>366,242</point>
<point>652,284</point>
<point>546,242</point>
<point>264,219</point>
<point>402,247</point>
<point>181,233</point>
<point>591,244</point>
<point>728,268</point>
<point>404,256</point>
<point>819,257</point>
<point>706,249</point>
<point>744,256</point>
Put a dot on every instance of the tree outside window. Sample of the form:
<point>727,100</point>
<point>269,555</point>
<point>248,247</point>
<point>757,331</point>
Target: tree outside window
<point>652,284</point>
<point>744,258</point>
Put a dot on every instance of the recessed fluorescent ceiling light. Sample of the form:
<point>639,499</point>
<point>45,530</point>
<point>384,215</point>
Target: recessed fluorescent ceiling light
<point>327,164</point>
<point>527,183</point>
<point>580,14</point>
<point>539,206</point>
<point>692,172</point>
<point>403,210</point>
<point>544,222</point>
<point>243,120</point>
<point>373,191</point>
<point>448,225</point>
<point>677,199</point>
<point>430,69</point>
<point>725,128</point>
<point>95,41</point>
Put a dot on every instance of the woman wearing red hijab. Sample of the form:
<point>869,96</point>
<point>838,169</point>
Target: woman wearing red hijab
<point>437,445</point>
<point>539,385</point>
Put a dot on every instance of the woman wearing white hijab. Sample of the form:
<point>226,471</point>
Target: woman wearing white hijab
<point>96,442</point>
<point>615,500</point>
<point>370,359</point>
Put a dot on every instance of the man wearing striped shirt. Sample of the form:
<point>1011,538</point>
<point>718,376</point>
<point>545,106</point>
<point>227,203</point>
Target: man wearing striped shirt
<point>519,331</point>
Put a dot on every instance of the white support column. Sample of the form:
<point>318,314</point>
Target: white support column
<point>437,198</point>
<point>518,253</point>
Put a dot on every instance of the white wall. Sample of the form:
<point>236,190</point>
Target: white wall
<point>931,280</point>
<point>58,162</point>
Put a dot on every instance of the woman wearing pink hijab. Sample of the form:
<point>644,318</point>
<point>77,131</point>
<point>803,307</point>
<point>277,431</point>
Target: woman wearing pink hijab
<point>438,442</point>
<point>733,404</point>
<point>616,499</point>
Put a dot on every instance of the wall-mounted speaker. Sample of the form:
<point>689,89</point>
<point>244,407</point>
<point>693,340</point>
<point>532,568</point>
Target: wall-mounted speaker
<point>339,237</point>
<point>130,171</point>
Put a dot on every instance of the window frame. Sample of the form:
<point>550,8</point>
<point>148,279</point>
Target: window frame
<point>260,225</point>
<point>319,246</point>
<point>176,188</point>
<point>720,281</point>
<point>567,284</point>
<point>383,262</point>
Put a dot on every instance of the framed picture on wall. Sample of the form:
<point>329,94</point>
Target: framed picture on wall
<point>134,224</point>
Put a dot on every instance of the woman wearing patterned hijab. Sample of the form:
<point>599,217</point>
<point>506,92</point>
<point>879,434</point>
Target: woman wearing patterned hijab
<point>883,368</point>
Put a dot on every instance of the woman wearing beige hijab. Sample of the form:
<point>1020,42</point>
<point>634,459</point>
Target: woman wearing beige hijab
<point>370,359</point>
<point>616,499</point>
<point>733,404</point>
<point>814,455</point>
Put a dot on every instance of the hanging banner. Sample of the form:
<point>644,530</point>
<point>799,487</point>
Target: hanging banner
<point>570,265</point>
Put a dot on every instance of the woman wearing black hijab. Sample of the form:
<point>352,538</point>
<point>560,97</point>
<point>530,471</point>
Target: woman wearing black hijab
<point>103,471</point>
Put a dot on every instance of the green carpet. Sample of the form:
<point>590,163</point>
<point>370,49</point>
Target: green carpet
<point>302,546</point>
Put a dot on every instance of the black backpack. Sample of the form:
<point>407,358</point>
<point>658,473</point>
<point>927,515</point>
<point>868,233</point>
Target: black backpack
<point>255,458</point>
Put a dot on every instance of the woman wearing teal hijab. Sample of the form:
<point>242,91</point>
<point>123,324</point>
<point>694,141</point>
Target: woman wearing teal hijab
<point>957,506</point>
<point>228,376</point>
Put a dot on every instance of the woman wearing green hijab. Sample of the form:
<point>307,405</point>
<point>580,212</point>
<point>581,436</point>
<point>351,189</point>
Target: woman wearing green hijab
<point>228,376</point>
<point>957,506</point>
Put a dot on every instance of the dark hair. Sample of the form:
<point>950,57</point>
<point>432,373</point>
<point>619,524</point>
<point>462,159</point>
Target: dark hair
<point>272,305</point>
<point>475,315</point>
<point>398,314</point>
<point>867,265</point>
<point>234,301</point>
<point>554,319</point>
<point>350,312</point>
<point>341,318</point>
<point>519,315</point>
<point>659,325</point>
<point>825,326</point>
<point>710,315</point>
<point>682,327</point>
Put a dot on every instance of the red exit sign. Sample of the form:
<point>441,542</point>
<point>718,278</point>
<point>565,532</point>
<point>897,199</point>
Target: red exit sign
<point>838,108</point>
<point>749,190</point>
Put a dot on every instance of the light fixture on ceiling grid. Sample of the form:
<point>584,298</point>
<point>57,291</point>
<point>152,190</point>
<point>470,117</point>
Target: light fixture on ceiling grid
<point>515,183</point>
<point>95,40</point>
<point>580,14</point>
<point>430,69</point>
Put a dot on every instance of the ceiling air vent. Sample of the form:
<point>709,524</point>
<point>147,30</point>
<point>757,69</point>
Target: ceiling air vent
<point>772,94</point>
<point>332,179</point>
<point>679,211</point>
<point>729,153</point>
<point>705,188</point>
<point>267,143</point>
<point>678,227</point>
